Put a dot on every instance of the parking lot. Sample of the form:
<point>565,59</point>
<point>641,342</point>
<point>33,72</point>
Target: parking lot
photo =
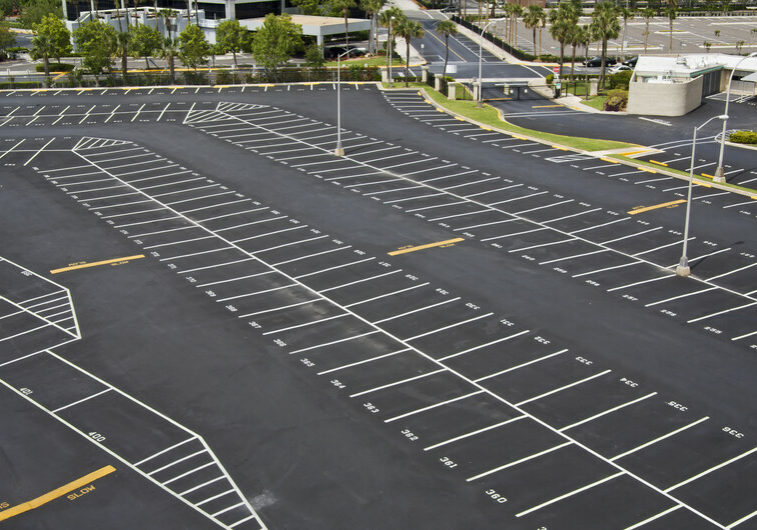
<point>527,425</point>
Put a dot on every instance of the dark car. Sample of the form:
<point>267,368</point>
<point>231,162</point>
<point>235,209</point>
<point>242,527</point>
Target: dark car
<point>597,61</point>
<point>632,61</point>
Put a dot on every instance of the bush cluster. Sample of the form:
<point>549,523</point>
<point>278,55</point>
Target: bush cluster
<point>743,137</point>
<point>617,100</point>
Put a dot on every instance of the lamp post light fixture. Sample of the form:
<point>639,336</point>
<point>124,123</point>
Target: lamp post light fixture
<point>683,269</point>
<point>339,150</point>
<point>720,172</point>
<point>480,94</point>
<point>391,38</point>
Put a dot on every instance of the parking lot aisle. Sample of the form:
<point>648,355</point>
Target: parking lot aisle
<point>391,343</point>
<point>163,451</point>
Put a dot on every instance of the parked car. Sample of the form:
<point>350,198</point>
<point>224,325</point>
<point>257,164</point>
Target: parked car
<point>332,52</point>
<point>597,61</point>
<point>632,61</point>
<point>448,9</point>
<point>620,68</point>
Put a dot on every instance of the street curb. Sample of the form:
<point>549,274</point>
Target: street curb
<point>661,170</point>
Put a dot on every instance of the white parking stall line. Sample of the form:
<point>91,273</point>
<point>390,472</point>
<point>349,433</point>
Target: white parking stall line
<point>214,497</point>
<point>137,464</point>
<point>652,180</point>
<point>173,174</point>
<point>414,198</point>
<point>38,152</point>
<point>476,212</point>
<point>424,308</point>
<point>364,361</point>
<point>658,439</point>
<point>444,328</point>
<point>519,366</point>
<point>389,385</point>
<point>474,433</point>
<point>298,227</point>
<point>435,405</point>
<point>661,247</point>
<point>13,314</point>
<point>349,264</point>
<point>76,192</point>
<point>149,221</point>
<point>345,247</point>
<point>178,242</point>
<point>484,224</point>
<point>227,509</point>
<point>196,253</point>
<point>570,494</point>
<point>497,341</point>
<point>391,190</point>
<point>517,198</point>
<point>306,324</point>
<point>346,339</point>
<point>543,207</point>
<point>540,245</point>
<point>740,203</point>
<point>197,198</point>
<point>363,280</point>
<point>81,400</point>
<point>564,387</point>
<point>741,520</point>
<point>654,517</point>
<point>255,293</point>
<point>514,234</point>
<point>195,470</point>
<point>702,256</point>
<point>519,461</point>
<point>471,183</point>
<point>723,312</point>
<point>268,220</point>
<point>630,235</point>
<point>745,335</point>
<point>241,212</point>
<point>732,272</point>
<point>90,199</point>
<point>434,206</point>
<point>491,191</point>
<point>237,523</point>
<point>64,297</point>
<point>711,195</point>
<point>426,181</point>
<point>176,183</point>
<point>608,411</point>
<point>607,269</point>
<point>634,284</point>
<point>694,293</point>
<point>182,459</point>
<point>710,470</point>
<point>599,226</point>
<point>186,191</point>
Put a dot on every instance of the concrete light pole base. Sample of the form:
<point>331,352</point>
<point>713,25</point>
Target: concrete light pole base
<point>683,269</point>
<point>339,151</point>
<point>719,175</point>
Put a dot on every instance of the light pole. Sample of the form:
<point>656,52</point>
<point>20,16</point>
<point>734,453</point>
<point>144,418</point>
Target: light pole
<point>479,99</point>
<point>391,22</point>
<point>339,151</point>
<point>720,172</point>
<point>683,269</point>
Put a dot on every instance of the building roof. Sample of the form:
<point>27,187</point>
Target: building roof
<point>692,65</point>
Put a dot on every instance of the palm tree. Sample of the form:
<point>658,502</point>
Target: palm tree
<point>647,13</point>
<point>542,25</point>
<point>372,8</point>
<point>604,26</point>
<point>577,38</point>
<point>627,15</point>
<point>43,47</point>
<point>532,20</point>
<point>515,12</point>
<point>344,6</point>
<point>563,19</point>
<point>409,29</point>
<point>390,18</point>
<point>122,43</point>
<point>671,11</point>
<point>169,51</point>
<point>446,28</point>
<point>586,36</point>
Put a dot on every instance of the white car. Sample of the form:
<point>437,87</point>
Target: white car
<point>619,68</point>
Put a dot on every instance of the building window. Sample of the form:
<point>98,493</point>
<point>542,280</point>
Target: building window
<point>257,9</point>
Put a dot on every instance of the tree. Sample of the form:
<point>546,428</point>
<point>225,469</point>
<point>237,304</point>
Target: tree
<point>717,33</point>
<point>344,6</point>
<point>96,41</point>
<point>515,12</point>
<point>626,14</point>
<point>231,36</point>
<point>647,13</point>
<point>168,51</point>
<point>671,11</point>
<point>563,18</point>
<point>577,38</point>
<point>193,46</point>
<point>145,41</point>
<point>446,28</point>
<point>390,19</point>
<point>7,7</point>
<point>55,30</point>
<point>739,45</point>
<point>372,9</point>
<point>532,20</point>
<point>707,45</point>
<point>604,26</point>
<point>309,7</point>
<point>276,41</point>
<point>33,12</point>
<point>541,27</point>
<point>43,48</point>
<point>314,56</point>
<point>123,40</point>
<point>408,30</point>
<point>7,39</point>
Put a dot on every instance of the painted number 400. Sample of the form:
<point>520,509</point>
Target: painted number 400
<point>96,436</point>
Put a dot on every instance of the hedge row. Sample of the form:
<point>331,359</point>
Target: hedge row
<point>743,137</point>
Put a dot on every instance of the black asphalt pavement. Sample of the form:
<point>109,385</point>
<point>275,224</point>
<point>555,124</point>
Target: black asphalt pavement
<point>446,328</point>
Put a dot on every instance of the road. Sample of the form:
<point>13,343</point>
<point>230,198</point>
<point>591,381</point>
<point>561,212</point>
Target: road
<point>450,321</point>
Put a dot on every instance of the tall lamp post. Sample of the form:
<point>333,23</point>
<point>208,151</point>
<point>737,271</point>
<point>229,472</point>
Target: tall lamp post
<point>339,151</point>
<point>479,99</point>
<point>720,172</point>
<point>391,38</point>
<point>683,269</point>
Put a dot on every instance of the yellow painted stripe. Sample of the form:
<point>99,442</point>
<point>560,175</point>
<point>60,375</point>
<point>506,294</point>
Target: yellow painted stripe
<point>421,247</point>
<point>703,184</point>
<point>96,263</point>
<point>663,205</point>
<point>560,148</point>
<point>439,110</point>
<point>753,197</point>
<point>520,138</point>
<point>708,176</point>
<point>58,492</point>
<point>427,101</point>
<point>486,128</point>
<point>629,153</point>
<point>544,106</point>
<point>646,169</point>
<point>659,163</point>
<point>459,118</point>
<point>603,159</point>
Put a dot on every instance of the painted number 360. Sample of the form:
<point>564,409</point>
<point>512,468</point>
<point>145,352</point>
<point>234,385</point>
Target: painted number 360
<point>496,496</point>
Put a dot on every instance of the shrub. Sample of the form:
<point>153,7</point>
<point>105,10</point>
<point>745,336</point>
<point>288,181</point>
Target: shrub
<point>550,78</point>
<point>54,67</point>
<point>743,137</point>
<point>620,80</point>
<point>616,100</point>
<point>225,77</point>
